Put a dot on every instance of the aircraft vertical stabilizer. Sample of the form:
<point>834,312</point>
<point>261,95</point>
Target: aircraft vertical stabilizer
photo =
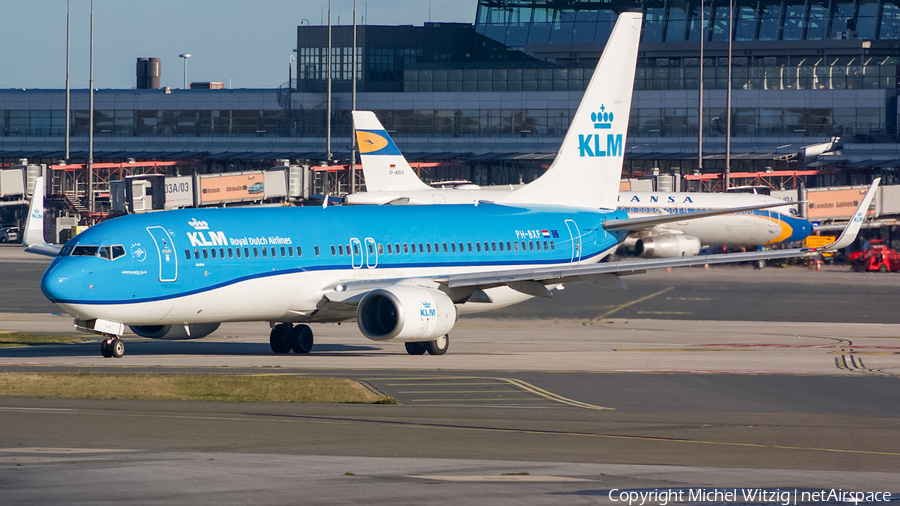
<point>588,167</point>
<point>33,238</point>
<point>387,169</point>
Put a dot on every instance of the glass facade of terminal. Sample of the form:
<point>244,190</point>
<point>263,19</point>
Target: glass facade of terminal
<point>518,23</point>
<point>677,73</point>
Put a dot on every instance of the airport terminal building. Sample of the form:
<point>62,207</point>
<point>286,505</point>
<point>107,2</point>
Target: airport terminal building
<point>814,87</point>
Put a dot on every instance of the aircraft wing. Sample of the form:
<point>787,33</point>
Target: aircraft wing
<point>561,274</point>
<point>652,221</point>
<point>532,281</point>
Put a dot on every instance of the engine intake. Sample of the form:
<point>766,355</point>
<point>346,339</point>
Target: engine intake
<point>197,330</point>
<point>405,313</point>
<point>668,246</point>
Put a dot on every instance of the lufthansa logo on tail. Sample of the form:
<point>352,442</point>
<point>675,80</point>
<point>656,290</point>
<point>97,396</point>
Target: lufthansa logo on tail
<point>370,142</point>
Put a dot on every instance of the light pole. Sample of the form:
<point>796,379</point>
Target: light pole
<point>184,56</point>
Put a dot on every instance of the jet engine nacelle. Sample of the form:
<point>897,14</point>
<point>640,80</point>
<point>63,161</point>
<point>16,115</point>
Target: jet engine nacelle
<point>668,246</point>
<point>197,330</point>
<point>405,313</point>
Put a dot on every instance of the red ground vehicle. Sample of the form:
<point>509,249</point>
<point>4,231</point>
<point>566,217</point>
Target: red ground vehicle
<point>876,257</point>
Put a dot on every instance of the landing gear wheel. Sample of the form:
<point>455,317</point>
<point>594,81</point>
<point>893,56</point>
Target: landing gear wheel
<point>105,348</point>
<point>438,346</point>
<point>301,339</point>
<point>415,348</point>
<point>117,348</point>
<point>278,339</point>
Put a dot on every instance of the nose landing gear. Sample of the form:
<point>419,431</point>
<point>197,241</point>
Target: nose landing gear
<point>112,347</point>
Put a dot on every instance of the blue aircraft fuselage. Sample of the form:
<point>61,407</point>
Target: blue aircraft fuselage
<point>272,263</point>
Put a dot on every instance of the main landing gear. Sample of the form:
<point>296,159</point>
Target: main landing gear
<point>112,347</point>
<point>286,337</point>
<point>437,347</point>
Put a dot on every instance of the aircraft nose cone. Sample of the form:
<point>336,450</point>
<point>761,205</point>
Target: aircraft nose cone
<point>63,281</point>
<point>801,229</point>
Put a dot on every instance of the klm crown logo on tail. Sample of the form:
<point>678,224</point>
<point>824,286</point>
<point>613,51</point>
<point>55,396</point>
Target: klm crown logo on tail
<point>589,145</point>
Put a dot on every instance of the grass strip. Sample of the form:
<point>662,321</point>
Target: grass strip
<point>9,339</point>
<point>218,387</point>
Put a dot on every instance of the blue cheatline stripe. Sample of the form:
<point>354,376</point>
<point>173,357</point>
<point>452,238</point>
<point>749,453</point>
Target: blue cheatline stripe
<point>560,262</point>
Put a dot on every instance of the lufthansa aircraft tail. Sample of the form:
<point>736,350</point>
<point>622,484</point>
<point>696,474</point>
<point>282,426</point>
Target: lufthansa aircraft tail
<point>588,167</point>
<point>386,168</point>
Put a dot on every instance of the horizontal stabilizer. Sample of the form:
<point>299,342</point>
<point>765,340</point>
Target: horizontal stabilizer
<point>652,221</point>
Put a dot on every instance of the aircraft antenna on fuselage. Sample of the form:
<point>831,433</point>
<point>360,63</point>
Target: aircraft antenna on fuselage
<point>588,167</point>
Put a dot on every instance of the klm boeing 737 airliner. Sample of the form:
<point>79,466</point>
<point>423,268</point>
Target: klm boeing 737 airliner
<point>402,273</point>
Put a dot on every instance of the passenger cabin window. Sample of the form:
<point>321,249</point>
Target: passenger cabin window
<point>371,248</point>
<point>552,246</point>
<point>452,247</point>
<point>470,247</point>
<point>390,250</point>
<point>413,247</point>
<point>530,246</point>
<point>231,253</point>
<point>545,245</point>
<point>214,252</point>
<point>538,244</point>
<point>517,245</point>
<point>238,251</point>
<point>299,252</point>
<point>255,253</point>
<point>421,249</point>
<point>317,250</point>
<point>493,246</point>
<point>265,253</point>
<point>187,254</point>
<point>247,252</point>
<point>221,252</point>
<point>341,249</point>
<point>478,247</point>
<point>332,250</point>
<point>405,248</point>
<point>205,254</point>
<point>508,248</point>
<point>429,247</point>
<point>273,251</point>
<point>445,247</point>
<point>486,247</point>
<point>197,254</point>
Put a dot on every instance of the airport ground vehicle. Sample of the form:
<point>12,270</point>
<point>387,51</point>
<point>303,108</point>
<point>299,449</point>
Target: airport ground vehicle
<point>876,257</point>
<point>9,233</point>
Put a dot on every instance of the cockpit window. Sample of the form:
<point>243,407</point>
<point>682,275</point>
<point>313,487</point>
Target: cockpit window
<point>85,251</point>
<point>107,252</point>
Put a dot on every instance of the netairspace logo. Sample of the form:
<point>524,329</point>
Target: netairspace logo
<point>790,497</point>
